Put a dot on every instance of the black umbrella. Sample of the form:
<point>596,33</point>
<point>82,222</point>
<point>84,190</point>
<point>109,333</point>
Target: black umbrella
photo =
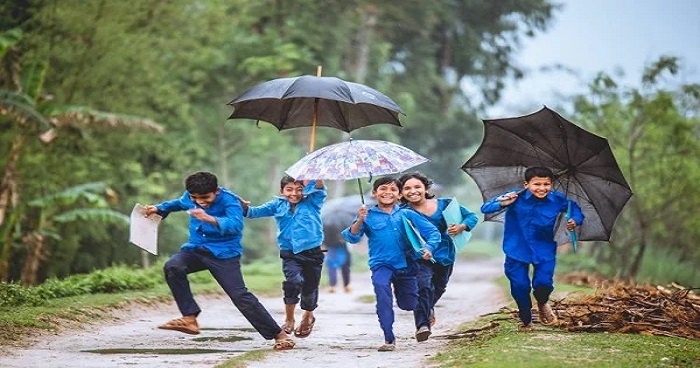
<point>308,101</point>
<point>583,163</point>
<point>338,213</point>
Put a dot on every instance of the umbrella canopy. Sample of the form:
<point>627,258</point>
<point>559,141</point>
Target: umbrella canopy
<point>583,163</point>
<point>355,159</point>
<point>307,101</point>
<point>338,213</point>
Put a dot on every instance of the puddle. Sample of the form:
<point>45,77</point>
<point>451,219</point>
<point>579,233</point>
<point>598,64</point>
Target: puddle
<point>242,329</point>
<point>161,351</point>
<point>223,338</point>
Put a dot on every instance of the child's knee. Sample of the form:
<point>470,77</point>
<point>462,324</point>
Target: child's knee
<point>407,305</point>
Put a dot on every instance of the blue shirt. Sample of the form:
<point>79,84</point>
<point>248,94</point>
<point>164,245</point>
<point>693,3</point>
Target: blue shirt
<point>222,240</point>
<point>300,229</point>
<point>528,234</point>
<point>445,252</point>
<point>387,242</point>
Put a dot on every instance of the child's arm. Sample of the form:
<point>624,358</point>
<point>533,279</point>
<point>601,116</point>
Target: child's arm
<point>427,231</point>
<point>264,210</point>
<point>315,192</point>
<point>468,224</point>
<point>577,216</point>
<point>163,209</point>
<point>354,232</point>
<point>499,202</point>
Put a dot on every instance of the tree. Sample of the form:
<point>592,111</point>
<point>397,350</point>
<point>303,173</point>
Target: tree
<point>654,131</point>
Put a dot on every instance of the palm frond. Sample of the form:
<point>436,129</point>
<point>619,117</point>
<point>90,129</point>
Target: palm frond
<point>90,192</point>
<point>21,108</point>
<point>93,215</point>
<point>80,116</point>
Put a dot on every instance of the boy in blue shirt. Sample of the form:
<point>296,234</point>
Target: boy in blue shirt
<point>214,244</point>
<point>297,213</point>
<point>528,239</point>
<point>391,257</point>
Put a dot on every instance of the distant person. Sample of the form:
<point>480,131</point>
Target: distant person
<point>297,213</point>
<point>338,258</point>
<point>214,244</point>
<point>433,276</point>
<point>391,257</point>
<point>528,239</point>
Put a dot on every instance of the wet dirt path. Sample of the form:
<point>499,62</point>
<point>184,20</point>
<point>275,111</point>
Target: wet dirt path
<point>346,333</point>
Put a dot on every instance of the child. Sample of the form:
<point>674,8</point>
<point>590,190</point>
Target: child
<point>528,238</point>
<point>391,259</point>
<point>214,244</point>
<point>298,216</point>
<point>337,258</point>
<point>432,277</point>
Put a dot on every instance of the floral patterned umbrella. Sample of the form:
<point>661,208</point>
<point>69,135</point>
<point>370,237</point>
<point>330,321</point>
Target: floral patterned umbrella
<point>355,159</point>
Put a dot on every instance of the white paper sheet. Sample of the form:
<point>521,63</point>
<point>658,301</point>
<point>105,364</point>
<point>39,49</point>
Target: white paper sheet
<point>144,230</point>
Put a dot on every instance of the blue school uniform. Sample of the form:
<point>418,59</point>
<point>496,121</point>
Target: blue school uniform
<point>216,248</point>
<point>299,236</point>
<point>528,238</point>
<point>433,277</point>
<point>391,259</point>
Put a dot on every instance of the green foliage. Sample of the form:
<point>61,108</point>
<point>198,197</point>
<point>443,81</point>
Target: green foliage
<point>110,280</point>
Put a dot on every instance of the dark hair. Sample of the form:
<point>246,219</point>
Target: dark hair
<point>289,180</point>
<point>383,181</point>
<point>538,171</point>
<point>201,182</point>
<point>427,182</point>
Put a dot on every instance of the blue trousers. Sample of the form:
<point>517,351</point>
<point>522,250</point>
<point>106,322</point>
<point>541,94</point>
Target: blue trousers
<point>302,276</point>
<point>227,273</point>
<point>518,273</point>
<point>432,283</point>
<point>338,258</point>
<point>406,290</point>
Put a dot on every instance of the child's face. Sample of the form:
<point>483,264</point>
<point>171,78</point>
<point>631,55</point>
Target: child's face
<point>293,192</point>
<point>413,190</point>
<point>539,187</point>
<point>204,200</point>
<point>386,194</point>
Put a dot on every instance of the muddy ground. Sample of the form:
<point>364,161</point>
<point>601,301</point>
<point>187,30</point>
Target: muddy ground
<point>346,333</point>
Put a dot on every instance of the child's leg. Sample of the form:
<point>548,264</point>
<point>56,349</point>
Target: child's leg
<point>424,279</point>
<point>441,276</point>
<point>331,260</point>
<point>345,269</point>
<point>291,286</point>
<point>381,281</point>
<point>311,268</point>
<point>518,274</point>
<point>227,273</point>
<point>543,285</point>
<point>543,280</point>
<point>176,270</point>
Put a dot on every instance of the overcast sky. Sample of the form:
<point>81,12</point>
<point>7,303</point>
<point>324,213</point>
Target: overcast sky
<point>589,36</point>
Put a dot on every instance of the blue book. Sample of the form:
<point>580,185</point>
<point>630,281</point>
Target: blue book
<point>453,215</point>
<point>414,237</point>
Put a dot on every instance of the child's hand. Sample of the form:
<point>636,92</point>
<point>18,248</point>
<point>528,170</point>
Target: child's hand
<point>245,204</point>
<point>149,210</point>
<point>426,254</point>
<point>455,229</point>
<point>507,198</point>
<point>362,213</point>
<point>570,225</point>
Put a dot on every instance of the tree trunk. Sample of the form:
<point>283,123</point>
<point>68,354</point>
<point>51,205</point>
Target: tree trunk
<point>8,185</point>
<point>36,253</point>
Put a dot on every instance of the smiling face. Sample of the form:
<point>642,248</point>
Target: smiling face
<point>413,191</point>
<point>204,200</point>
<point>293,192</point>
<point>386,194</point>
<point>539,186</point>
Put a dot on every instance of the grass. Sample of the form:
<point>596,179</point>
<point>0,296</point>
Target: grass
<point>552,347</point>
<point>262,278</point>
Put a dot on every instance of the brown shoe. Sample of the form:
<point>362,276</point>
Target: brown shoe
<point>525,327</point>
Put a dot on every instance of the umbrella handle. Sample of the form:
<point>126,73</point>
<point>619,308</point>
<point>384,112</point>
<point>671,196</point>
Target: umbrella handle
<point>362,196</point>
